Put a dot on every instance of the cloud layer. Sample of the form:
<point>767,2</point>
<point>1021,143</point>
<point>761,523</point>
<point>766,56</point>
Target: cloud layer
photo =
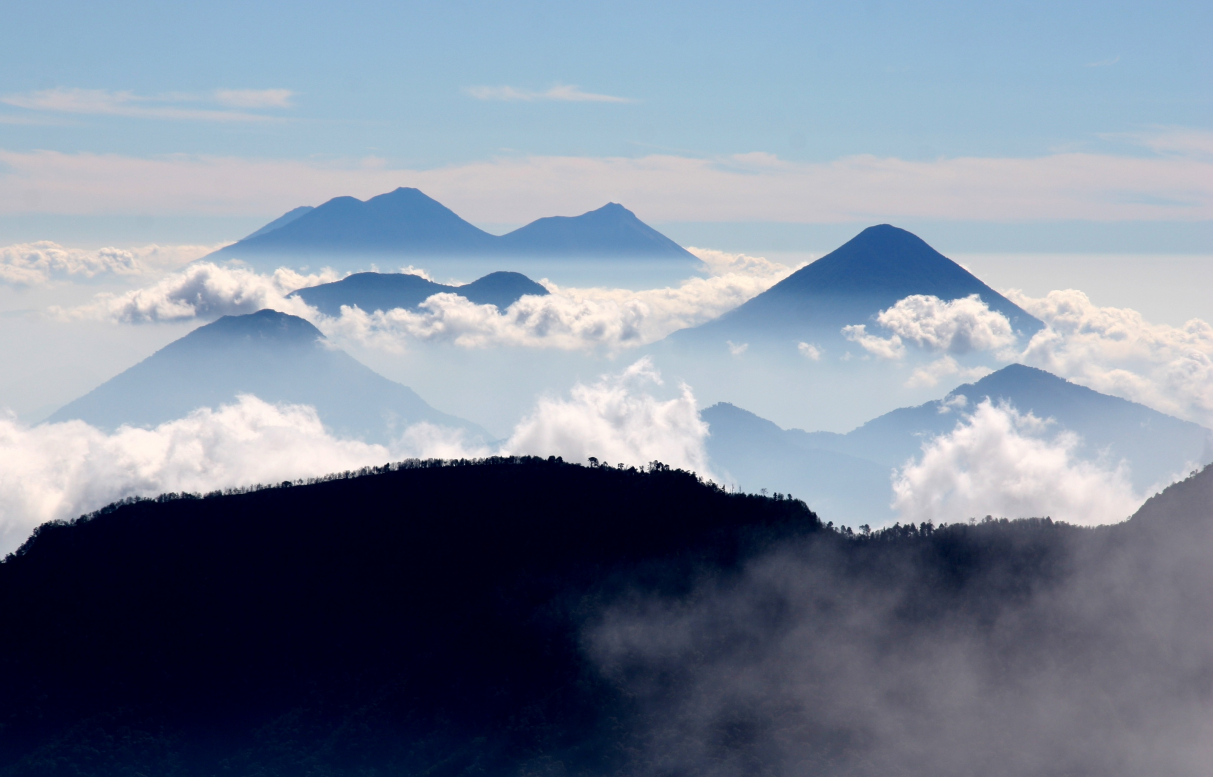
<point>175,107</point>
<point>558,93</point>
<point>39,263</point>
<point>1176,183</point>
<point>1002,463</point>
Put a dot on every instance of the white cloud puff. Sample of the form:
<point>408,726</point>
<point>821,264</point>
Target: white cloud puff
<point>1116,351</point>
<point>884,347</point>
<point>944,367</point>
<point>62,470</point>
<point>956,326</point>
<point>810,351</point>
<point>616,420</point>
<point>203,290</point>
<point>42,262</point>
<point>1002,463</point>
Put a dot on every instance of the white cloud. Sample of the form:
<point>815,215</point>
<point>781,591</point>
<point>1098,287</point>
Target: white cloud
<point>254,98</point>
<point>56,471</point>
<point>809,351</point>
<point>1001,463</point>
<point>944,367</point>
<point>104,102</point>
<point>41,262</point>
<point>956,327</point>
<point>1116,351</point>
<point>568,318</point>
<point>737,349</point>
<point>885,348</point>
<point>616,421</point>
<point>1177,185</point>
<point>559,93</point>
<point>203,290</point>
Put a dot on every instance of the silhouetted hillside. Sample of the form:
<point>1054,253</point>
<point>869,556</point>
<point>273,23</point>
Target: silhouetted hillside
<point>405,224</point>
<point>870,273</point>
<point>385,291</point>
<point>530,616</point>
<point>272,355</point>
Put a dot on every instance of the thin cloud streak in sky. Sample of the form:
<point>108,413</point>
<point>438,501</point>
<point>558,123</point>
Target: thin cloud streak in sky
<point>105,102</point>
<point>1177,185</point>
<point>558,93</point>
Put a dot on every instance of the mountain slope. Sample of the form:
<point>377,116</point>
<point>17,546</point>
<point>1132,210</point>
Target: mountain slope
<point>385,291</point>
<point>281,221</point>
<point>870,273</point>
<point>275,356</point>
<point>610,231</point>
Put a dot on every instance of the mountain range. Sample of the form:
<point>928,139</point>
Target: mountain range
<point>385,291</point>
<point>277,357</point>
<point>407,225</point>
<point>847,477</point>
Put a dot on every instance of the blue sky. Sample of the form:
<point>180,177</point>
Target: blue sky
<point>353,97</point>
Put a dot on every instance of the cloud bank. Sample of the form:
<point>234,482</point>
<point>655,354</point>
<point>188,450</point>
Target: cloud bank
<point>1002,463</point>
<point>104,102</point>
<point>1175,183</point>
<point>42,262</point>
<point>558,93</point>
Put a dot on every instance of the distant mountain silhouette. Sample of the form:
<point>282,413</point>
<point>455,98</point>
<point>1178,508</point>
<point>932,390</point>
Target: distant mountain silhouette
<point>385,291</point>
<point>533,617</point>
<point>1157,446</point>
<point>847,477</point>
<point>406,224</point>
<point>870,273</point>
<point>610,231</point>
<point>272,355</point>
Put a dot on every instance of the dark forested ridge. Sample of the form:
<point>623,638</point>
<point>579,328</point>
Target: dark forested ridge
<point>526,616</point>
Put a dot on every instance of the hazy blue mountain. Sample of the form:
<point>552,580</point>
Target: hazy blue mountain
<point>272,355</point>
<point>282,221</point>
<point>610,231</point>
<point>870,273</point>
<point>754,453</point>
<point>408,225</point>
<point>384,291</point>
<point>1157,446</point>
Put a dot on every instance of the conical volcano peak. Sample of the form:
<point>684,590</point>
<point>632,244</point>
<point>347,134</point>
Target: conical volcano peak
<point>265,326</point>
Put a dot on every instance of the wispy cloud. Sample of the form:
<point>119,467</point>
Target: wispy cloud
<point>1175,185</point>
<point>1104,62</point>
<point>558,93</point>
<point>173,107</point>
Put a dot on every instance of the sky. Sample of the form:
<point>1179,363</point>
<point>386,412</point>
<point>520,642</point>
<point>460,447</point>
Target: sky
<point>1070,127</point>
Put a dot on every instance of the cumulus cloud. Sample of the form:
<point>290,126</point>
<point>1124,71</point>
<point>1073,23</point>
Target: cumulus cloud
<point>568,318</point>
<point>41,262</point>
<point>1116,351</point>
<point>616,420</point>
<point>957,327</point>
<point>62,470</point>
<point>558,93</point>
<point>1003,463</point>
<point>203,290</point>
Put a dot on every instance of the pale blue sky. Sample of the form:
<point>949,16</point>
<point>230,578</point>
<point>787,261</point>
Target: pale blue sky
<point>417,87</point>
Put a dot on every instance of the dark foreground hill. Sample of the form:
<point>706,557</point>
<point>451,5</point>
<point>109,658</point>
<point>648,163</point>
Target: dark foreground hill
<point>273,356</point>
<point>528,617</point>
<point>373,291</point>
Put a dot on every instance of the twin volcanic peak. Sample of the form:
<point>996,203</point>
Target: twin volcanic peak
<point>373,291</point>
<point>276,357</point>
<point>407,224</point>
